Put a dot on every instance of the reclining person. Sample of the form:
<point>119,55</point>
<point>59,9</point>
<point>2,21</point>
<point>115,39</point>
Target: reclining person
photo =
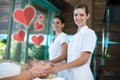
<point>12,71</point>
<point>34,69</point>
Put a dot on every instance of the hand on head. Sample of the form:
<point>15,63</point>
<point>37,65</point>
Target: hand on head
<point>43,69</point>
<point>30,63</point>
<point>38,69</point>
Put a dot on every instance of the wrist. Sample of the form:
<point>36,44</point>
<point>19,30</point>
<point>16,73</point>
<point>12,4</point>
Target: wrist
<point>63,66</point>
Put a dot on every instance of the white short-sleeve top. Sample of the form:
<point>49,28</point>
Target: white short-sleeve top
<point>55,47</point>
<point>84,40</point>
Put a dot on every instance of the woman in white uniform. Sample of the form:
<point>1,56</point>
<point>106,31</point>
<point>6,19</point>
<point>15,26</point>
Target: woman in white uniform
<point>59,44</point>
<point>80,48</point>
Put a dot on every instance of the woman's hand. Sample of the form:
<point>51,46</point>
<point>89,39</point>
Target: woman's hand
<point>54,69</point>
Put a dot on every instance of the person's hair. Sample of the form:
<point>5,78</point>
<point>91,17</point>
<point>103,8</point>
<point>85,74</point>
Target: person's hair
<point>81,5</point>
<point>61,18</point>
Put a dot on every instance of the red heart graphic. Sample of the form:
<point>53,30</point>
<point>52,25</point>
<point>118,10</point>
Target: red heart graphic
<point>20,36</point>
<point>38,39</point>
<point>40,17</point>
<point>38,25</point>
<point>24,16</point>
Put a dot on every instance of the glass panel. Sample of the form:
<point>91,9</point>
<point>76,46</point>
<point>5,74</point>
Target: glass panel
<point>41,18</point>
<point>28,47</point>
<point>4,19</point>
<point>17,48</point>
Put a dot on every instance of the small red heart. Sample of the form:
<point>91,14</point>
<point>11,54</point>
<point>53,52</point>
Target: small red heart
<point>24,16</point>
<point>40,17</point>
<point>19,27</point>
<point>38,25</point>
<point>38,39</point>
<point>20,36</point>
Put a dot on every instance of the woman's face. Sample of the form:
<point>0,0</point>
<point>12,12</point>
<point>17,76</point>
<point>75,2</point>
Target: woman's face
<point>57,25</point>
<point>80,17</point>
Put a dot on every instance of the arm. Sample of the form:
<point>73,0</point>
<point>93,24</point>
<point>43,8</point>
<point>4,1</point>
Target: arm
<point>63,56</point>
<point>78,62</point>
<point>26,75</point>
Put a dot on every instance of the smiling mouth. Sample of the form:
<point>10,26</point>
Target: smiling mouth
<point>78,21</point>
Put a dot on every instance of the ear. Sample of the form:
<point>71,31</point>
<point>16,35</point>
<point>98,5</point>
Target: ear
<point>63,25</point>
<point>88,16</point>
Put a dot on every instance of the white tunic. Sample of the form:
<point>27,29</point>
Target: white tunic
<point>55,47</point>
<point>55,50</point>
<point>84,40</point>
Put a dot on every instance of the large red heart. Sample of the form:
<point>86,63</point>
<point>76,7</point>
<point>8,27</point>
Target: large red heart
<point>20,36</point>
<point>38,25</point>
<point>38,39</point>
<point>24,16</point>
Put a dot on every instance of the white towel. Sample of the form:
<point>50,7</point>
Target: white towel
<point>8,69</point>
<point>57,78</point>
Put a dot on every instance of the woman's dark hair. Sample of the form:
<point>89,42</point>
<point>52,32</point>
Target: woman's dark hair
<point>61,18</point>
<point>82,6</point>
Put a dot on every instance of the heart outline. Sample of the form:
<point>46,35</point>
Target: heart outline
<point>24,16</point>
<point>19,36</point>
<point>37,39</point>
<point>38,25</point>
<point>40,17</point>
